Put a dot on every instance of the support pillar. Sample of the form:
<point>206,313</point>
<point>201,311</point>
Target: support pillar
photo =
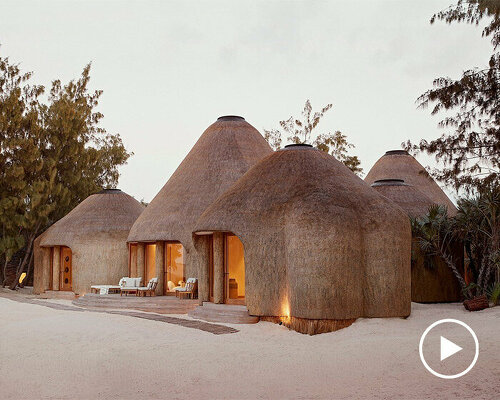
<point>160,267</point>
<point>56,267</point>
<point>200,259</point>
<point>133,260</point>
<point>218,267</point>
<point>141,259</point>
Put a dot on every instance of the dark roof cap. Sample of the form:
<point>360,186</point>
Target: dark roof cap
<point>230,118</point>
<point>396,153</point>
<point>110,191</point>
<point>389,182</point>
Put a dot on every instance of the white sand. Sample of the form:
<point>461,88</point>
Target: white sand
<point>52,354</point>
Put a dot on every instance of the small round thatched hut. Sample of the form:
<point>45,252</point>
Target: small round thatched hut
<point>88,246</point>
<point>398,164</point>
<point>432,280</point>
<point>321,248</point>
<point>161,239</point>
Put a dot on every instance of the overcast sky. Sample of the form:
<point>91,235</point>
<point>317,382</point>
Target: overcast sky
<point>170,68</point>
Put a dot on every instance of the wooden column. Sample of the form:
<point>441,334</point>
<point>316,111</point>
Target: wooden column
<point>56,267</point>
<point>199,258</point>
<point>160,267</point>
<point>133,260</point>
<point>141,259</point>
<point>218,267</point>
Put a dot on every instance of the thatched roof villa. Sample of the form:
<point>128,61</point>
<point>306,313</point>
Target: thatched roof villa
<point>399,164</point>
<point>432,280</point>
<point>321,248</point>
<point>88,246</point>
<point>160,241</point>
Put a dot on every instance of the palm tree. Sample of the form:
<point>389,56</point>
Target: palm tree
<point>434,233</point>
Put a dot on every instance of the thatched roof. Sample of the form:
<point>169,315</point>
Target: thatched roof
<point>316,236</point>
<point>223,153</point>
<point>408,197</point>
<point>398,164</point>
<point>108,211</point>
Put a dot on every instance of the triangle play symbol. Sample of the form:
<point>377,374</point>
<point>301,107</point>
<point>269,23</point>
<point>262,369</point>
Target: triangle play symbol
<point>448,348</point>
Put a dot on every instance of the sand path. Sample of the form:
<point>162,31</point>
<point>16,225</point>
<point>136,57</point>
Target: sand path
<point>56,354</point>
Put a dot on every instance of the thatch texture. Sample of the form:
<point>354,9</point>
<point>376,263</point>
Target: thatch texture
<point>398,164</point>
<point>96,232</point>
<point>432,280</point>
<point>223,153</point>
<point>319,242</point>
<point>406,196</point>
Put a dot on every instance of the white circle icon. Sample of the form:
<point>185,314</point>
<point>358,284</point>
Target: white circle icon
<point>448,348</point>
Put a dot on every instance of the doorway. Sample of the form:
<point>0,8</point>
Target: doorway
<point>234,270</point>
<point>174,267</point>
<point>65,283</point>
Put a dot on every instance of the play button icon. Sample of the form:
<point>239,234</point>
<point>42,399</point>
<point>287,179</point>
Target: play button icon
<point>448,348</point>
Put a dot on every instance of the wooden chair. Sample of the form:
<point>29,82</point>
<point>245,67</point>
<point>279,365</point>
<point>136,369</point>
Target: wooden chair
<point>191,290</point>
<point>150,289</point>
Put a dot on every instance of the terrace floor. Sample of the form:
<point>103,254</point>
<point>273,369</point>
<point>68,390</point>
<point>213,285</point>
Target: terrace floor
<point>156,304</point>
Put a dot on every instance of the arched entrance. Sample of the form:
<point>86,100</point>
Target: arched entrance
<point>234,270</point>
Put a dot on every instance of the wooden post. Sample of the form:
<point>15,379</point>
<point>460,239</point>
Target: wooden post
<point>141,259</point>
<point>160,267</point>
<point>56,267</point>
<point>133,260</point>
<point>200,259</point>
<point>218,267</point>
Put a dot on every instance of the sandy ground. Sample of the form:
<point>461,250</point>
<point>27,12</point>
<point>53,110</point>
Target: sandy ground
<point>53,354</point>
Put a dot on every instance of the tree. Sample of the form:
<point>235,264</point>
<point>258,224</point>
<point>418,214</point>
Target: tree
<point>477,224</point>
<point>23,207</point>
<point>52,156</point>
<point>470,152</point>
<point>300,131</point>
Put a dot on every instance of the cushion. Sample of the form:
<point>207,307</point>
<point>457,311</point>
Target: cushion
<point>171,286</point>
<point>130,282</point>
<point>137,282</point>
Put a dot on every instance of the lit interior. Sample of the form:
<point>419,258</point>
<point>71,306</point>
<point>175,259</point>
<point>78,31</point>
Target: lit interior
<point>150,269</point>
<point>235,267</point>
<point>174,267</point>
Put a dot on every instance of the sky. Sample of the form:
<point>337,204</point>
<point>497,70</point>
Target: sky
<point>168,69</point>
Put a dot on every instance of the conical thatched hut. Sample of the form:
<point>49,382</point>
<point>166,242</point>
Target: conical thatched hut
<point>321,248</point>
<point>432,280</point>
<point>398,164</point>
<point>88,246</point>
<point>161,239</point>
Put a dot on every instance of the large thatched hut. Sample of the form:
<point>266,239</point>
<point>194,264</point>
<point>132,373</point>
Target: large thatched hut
<point>88,246</point>
<point>320,248</point>
<point>160,241</point>
<point>431,279</point>
<point>398,164</point>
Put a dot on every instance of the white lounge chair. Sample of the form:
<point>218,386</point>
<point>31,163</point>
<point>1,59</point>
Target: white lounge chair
<point>106,289</point>
<point>191,289</point>
<point>143,291</point>
<point>130,285</point>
